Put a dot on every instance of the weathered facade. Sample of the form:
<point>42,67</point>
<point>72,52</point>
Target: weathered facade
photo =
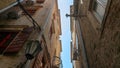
<point>99,25</point>
<point>75,59</point>
<point>23,33</point>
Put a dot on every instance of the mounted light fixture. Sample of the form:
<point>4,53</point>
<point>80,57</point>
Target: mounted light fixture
<point>72,15</point>
<point>32,49</point>
<point>76,10</point>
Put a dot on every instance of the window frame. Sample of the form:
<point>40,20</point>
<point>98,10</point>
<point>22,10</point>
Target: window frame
<point>52,29</point>
<point>91,8</point>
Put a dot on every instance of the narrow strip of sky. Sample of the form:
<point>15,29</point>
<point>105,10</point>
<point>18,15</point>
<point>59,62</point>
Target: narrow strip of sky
<point>64,6</point>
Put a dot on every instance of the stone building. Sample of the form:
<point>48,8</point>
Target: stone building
<point>29,34</point>
<point>98,33</point>
<point>74,43</point>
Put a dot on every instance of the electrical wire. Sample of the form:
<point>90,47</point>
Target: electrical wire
<point>35,24</point>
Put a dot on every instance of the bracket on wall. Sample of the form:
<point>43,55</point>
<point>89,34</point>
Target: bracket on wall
<point>74,15</point>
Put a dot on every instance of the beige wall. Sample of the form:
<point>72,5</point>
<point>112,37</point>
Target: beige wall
<point>74,40</point>
<point>44,17</point>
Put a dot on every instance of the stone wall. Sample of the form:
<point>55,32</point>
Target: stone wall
<point>102,41</point>
<point>111,37</point>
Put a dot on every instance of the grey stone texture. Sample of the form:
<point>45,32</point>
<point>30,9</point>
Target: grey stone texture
<point>102,40</point>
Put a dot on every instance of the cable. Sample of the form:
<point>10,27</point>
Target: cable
<point>33,21</point>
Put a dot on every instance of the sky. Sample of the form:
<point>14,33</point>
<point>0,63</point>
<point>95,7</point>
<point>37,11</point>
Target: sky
<point>64,6</point>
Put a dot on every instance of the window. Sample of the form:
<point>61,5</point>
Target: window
<point>77,42</point>
<point>52,29</point>
<point>99,9</point>
<point>75,52</point>
<point>6,38</point>
<point>11,41</point>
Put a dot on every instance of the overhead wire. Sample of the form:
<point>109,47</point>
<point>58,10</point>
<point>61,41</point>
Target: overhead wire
<point>35,24</point>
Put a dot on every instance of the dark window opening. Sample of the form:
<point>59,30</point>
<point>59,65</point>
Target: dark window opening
<point>6,38</point>
<point>43,62</point>
<point>12,41</point>
<point>52,29</point>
